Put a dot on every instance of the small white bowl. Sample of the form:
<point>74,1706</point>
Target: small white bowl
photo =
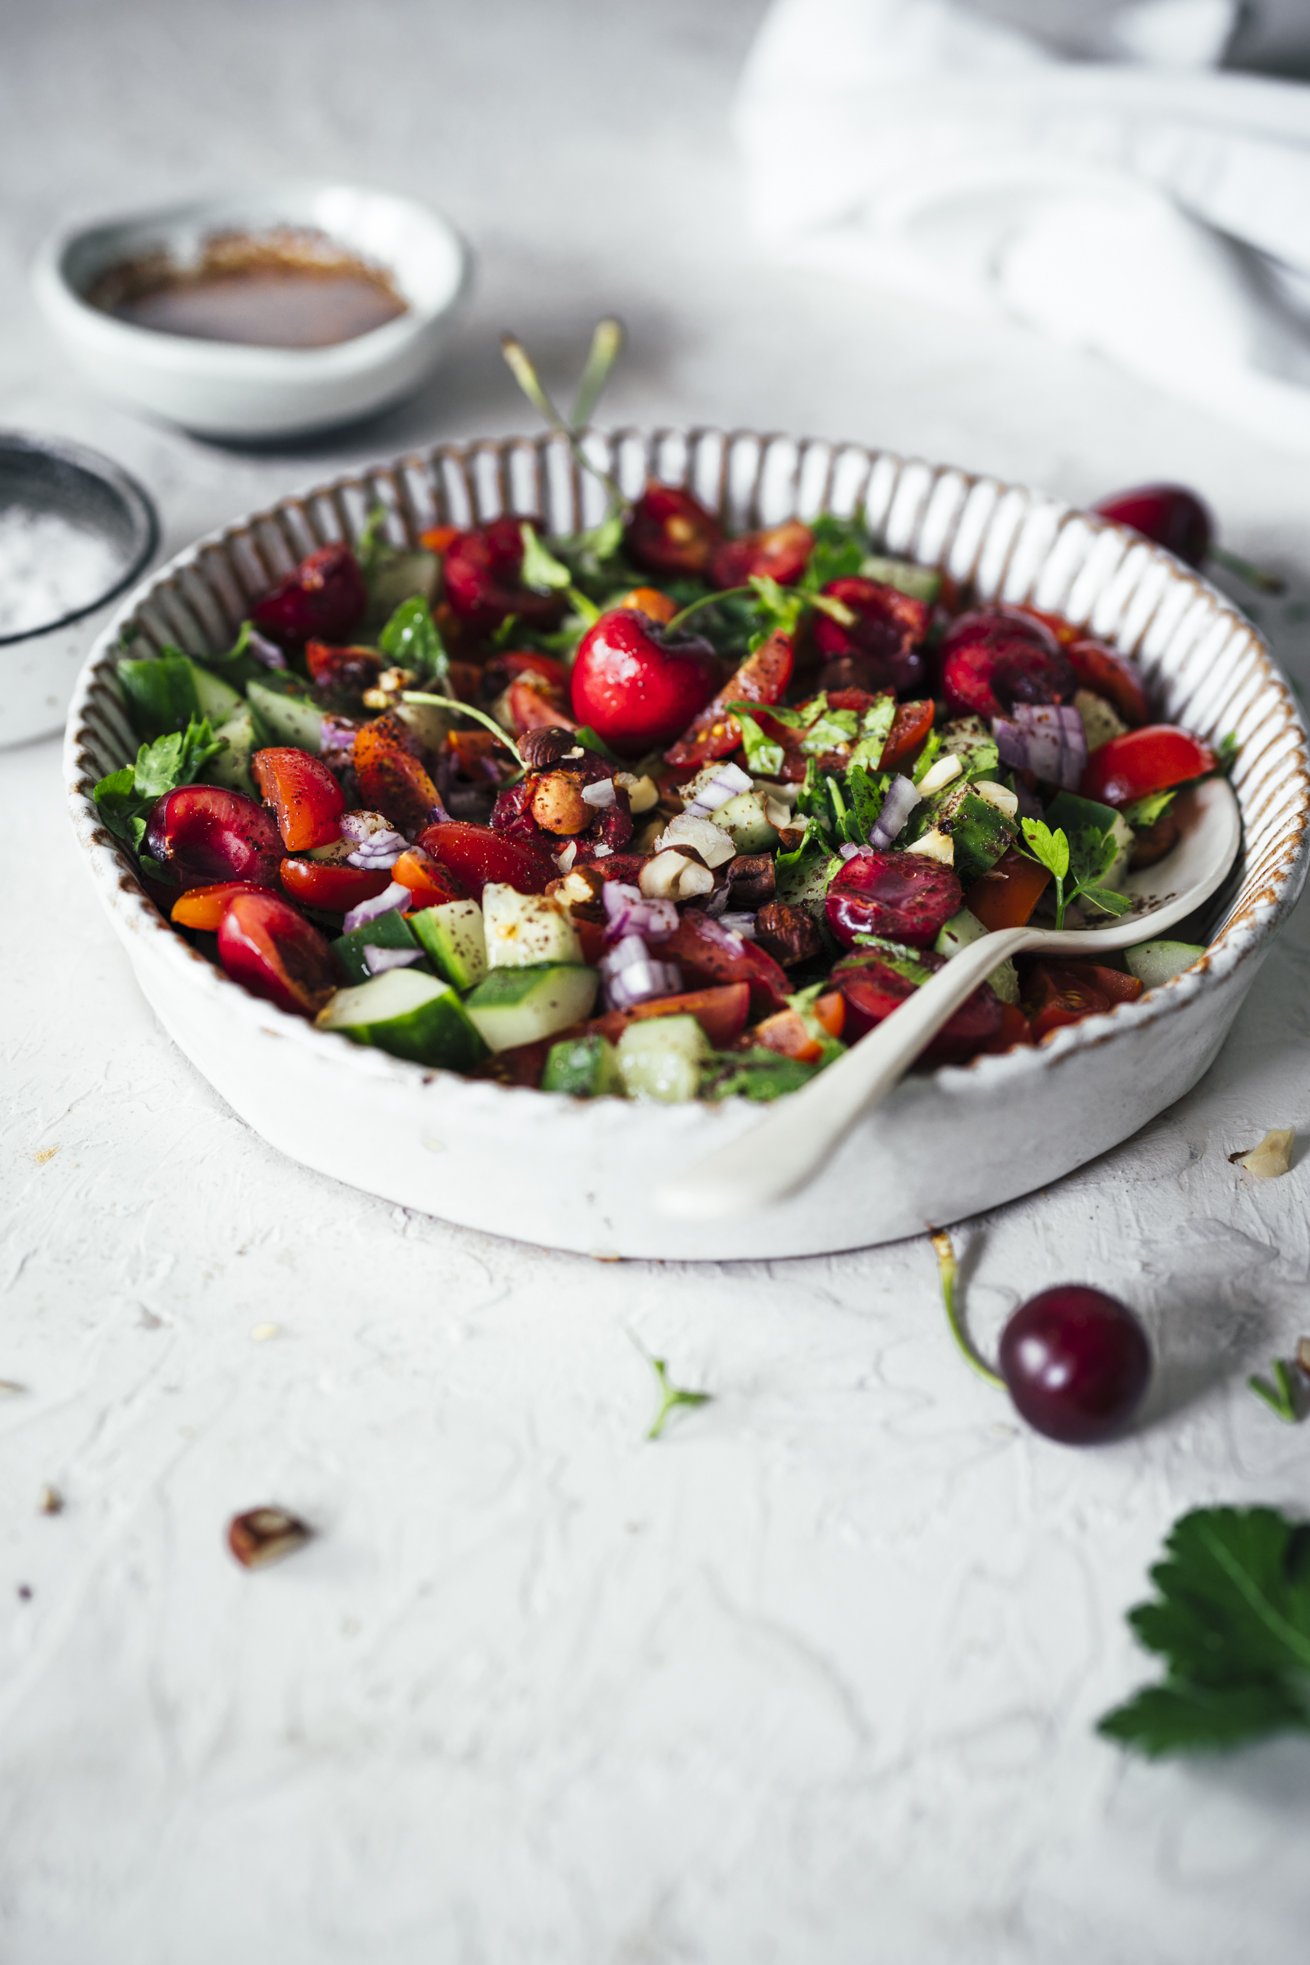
<point>226,389</point>
<point>39,666</point>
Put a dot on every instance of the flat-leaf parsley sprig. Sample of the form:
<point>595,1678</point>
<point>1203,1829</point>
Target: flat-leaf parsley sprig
<point>1078,867</point>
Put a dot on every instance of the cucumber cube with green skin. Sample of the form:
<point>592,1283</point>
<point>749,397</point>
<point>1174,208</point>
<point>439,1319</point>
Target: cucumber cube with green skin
<point>1156,963</point>
<point>217,699</point>
<point>524,931</point>
<point>231,768</point>
<point>1074,814</point>
<point>919,582</point>
<point>661,1059</point>
<point>391,930</point>
<point>965,927</point>
<point>1100,721</point>
<point>409,1014</point>
<point>969,739</point>
<point>585,1067</point>
<point>455,940</point>
<point>980,833</point>
<point>522,1006</point>
<point>745,818</point>
<point>400,576</point>
<point>285,713</point>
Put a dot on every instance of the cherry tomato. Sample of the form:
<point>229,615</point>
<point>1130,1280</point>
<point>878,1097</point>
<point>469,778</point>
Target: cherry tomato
<point>1007,895</point>
<point>331,885</point>
<point>780,552</point>
<point>907,734</point>
<point>873,988</point>
<point>342,671</point>
<point>669,531</point>
<point>271,950</point>
<point>1059,994</point>
<point>721,1012</point>
<point>322,599</point>
<point>475,854</point>
<point>788,1033</point>
<point>649,600</point>
<point>430,884</point>
<point>1100,669</point>
<point>708,958</point>
<point>391,777</point>
<point>307,801</point>
<point>1154,758</point>
<point>1014,1029</point>
<point>762,678</point>
<point>204,907</point>
<point>531,708</point>
<point>438,539</point>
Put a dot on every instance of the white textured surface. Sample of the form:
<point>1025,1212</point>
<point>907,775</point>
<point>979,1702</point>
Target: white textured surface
<point>814,1677</point>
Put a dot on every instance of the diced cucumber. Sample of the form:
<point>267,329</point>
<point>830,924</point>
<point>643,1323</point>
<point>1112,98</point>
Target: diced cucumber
<point>521,1006</point>
<point>390,930</point>
<point>979,831</point>
<point>409,1014</point>
<point>661,1059</point>
<point>969,739</point>
<point>231,768</point>
<point>963,928</point>
<point>217,699</point>
<point>429,724</point>
<point>1155,963</point>
<point>398,576</point>
<point>525,931</point>
<point>285,713</point>
<point>1100,722</point>
<point>745,818</point>
<point>454,937</point>
<point>587,1067</point>
<point>1075,814</point>
<point>920,582</point>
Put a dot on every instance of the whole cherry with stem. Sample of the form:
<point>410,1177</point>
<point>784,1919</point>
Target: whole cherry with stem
<point>1177,519</point>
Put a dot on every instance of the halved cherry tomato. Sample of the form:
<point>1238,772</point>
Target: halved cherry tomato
<point>267,946</point>
<point>1155,758</point>
<point>669,531</point>
<point>533,708</point>
<point>437,538</point>
<point>779,552</point>
<point>510,663</point>
<point>204,907</point>
<point>721,1013</point>
<point>331,885</point>
<point>1114,984</point>
<point>912,723</point>
<point>709,957</point>
<point>1100,669</point>
<point>322,599</point>
<point>762,678</point>
<point>307,801</point>
<point>430,884</point>
<point>391,778</point>
<point>1014,1029</point>
<point>788,1033</point>
<point>649,601</point>
<point>1061,993</point>
<point>475,854</point>
<point>1006,896</point>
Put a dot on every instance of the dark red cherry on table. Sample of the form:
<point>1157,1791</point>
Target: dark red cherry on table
<point>1170,514</point>
<point>637,685</point>
<point>203,834</point>
<point>902,897</point>
<point>475,854</point>
<point>992,659</point>
<point>267,946</point>
<point>322,599</point>
<point>669,531</point>
<point>780,552</point>
<point>873,987</point>
<point>880,648</point>
<point>1076,1362</point>
<point>482,583</point>
<point>307,801</point>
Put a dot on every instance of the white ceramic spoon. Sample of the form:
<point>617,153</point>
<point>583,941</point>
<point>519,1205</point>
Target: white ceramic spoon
<point>799,1132</point>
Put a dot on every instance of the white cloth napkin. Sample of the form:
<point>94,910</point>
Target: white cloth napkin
<point>1087,167</point>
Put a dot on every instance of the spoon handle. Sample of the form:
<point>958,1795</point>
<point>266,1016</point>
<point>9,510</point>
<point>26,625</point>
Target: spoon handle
<point>797,1135</point>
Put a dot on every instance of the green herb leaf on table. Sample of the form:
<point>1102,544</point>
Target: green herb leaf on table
<point>671,1396</point>
<point>125,798</point>
<point>412,640</point>
<point>1232,1623</point>
<point>1280,1395</point>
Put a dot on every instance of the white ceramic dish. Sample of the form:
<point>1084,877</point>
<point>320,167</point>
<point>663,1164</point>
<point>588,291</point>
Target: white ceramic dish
<point>581,1175</point>
<point>44,475</point>
<point>220,389</point>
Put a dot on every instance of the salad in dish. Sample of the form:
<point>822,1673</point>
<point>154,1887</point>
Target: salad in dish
<point>655,810</point>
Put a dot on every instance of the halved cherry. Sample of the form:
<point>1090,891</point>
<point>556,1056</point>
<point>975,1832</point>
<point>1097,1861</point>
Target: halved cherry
<point>1006,896</point>
<point>669,531</point>
<point>762,678</point>
<point>779,552</point>
<point>708,955</point>
<point>1100,669</point>
<point>204,834</point>
<point>267,946</point>
<point>909,730</point>
<point>1154,758</point>
<point>204,907</point>
<point>475,854</point>
<point>331,886</point>
<point>482,584</point>
<point>880,649</point>
<point>721,1012</point>
<point>307,801</point>
<point>342,673</point>
<point>392,779</point>
<point>637,685</point>
<point>322,599</point>
<point>902,897</point>
<point>992,659</point>
<point>1061,993</point>
<point>430,884</point>
<point>873,987</point>
<point>788,1033</point>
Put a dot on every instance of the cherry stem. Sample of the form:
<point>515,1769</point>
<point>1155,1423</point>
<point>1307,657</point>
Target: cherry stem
<point>706,600</point>
<point>467,709</point>
<point>950,1269</point>
<point>1245,569</point>
<point>606,341</point>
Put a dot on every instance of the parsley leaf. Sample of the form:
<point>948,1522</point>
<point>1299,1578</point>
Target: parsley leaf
<point>125,798</point>
<point>540,570</point>
<point>1083,864</point>
<point>1226,753</point>
<point>160,694</point>
<point>1049,849</point>
<point>1232,1624</point>
<point>841,547</point>
<point>412,640</point>
<point>756,1074</point>
<point>1143,813</point>
<point>671,1396</point>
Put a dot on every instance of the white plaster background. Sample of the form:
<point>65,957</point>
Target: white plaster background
<point>814,1678</point>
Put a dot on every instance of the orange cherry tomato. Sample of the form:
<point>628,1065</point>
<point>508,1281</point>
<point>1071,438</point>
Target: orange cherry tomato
<point>721,1012</point>
<point>430,884</point>
<point>762,678</point>
<point>787,1032</point>
<point>909,729</point>
<point>1006,896</point>
<point>438,537</point>
<point>204,907</point>
<point>307,801</point>
<point>391,778</point>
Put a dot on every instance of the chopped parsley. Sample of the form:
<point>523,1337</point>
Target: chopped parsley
<point>1082,864</point>
<point>126,798</point>
<point>412,639</point>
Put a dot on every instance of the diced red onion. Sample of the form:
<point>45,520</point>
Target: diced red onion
<point>718,931</point>
<point>849,852</point>
<point>376,843</point>
<point>1047,739</point>
<point>386,902</point>
<point>632,975</point>
<point>742,924</point>
<point>338,735</point>
<point>727,781</point>
<point>267,653</point>
<point>901,798</point>
<point>628,912</point>
<point>378,960</point>
<point>599,795</point>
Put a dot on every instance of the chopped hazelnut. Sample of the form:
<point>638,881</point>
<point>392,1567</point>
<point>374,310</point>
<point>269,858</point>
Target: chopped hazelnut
<point>558,805</point>
<point>265,1535</point>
